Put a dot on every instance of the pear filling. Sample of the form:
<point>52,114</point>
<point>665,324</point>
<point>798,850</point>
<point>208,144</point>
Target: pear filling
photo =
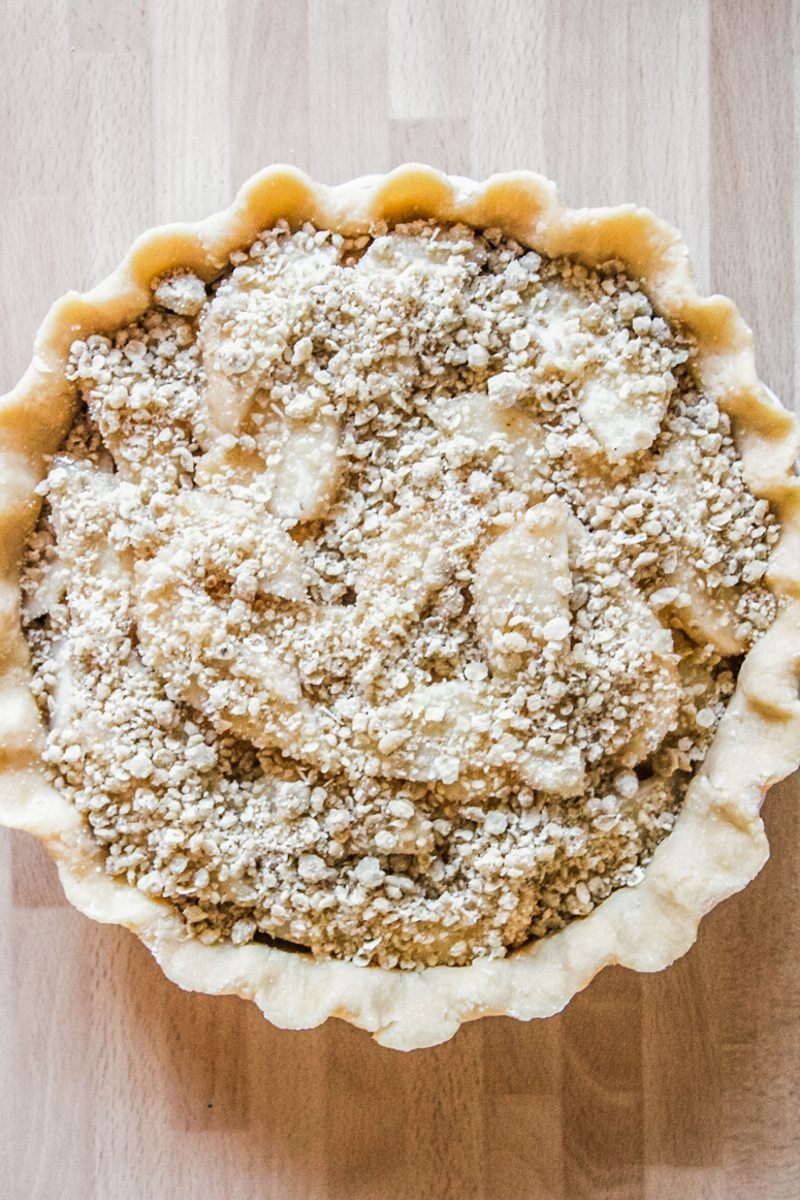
<point>388,592</point>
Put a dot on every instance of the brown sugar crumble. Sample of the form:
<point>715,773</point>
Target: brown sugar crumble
<point>388,592</point>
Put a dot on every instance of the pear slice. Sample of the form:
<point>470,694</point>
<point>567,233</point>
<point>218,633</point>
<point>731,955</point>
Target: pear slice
<point>235,677</point>
<point>85,503</point>
<point>706,615</point>
<point>623,422</point>
<point>523,583</point>
<point>441,733</point>
<point>497,429</point>
<point>648,644</point>
<point>293,468</point>
<point>408,561</point>
<point>305,470</point>
<point>228,397</point>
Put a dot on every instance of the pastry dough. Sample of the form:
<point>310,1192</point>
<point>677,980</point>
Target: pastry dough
<point>717,843</point>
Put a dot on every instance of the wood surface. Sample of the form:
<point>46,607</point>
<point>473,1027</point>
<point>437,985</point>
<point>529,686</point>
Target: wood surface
<point>114,1085</point>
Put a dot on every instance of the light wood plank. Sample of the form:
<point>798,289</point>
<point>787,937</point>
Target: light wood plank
<point>117,1085</point>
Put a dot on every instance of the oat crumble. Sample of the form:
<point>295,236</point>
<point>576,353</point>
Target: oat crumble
<point>389,591</point>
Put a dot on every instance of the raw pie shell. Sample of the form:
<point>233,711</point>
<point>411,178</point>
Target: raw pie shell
<point>718,843</point>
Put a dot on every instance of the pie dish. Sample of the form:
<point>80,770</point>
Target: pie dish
<point>400,608</point>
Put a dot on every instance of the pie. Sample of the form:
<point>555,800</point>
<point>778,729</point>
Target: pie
<point>400,604</point>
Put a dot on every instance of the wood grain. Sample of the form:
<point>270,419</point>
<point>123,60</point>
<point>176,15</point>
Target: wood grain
<point>117,1086</point>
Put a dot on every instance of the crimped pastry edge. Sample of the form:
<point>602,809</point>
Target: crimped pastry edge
<point>718,844</point>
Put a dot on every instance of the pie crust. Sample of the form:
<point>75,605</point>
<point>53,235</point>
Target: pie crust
<point>718,842</point>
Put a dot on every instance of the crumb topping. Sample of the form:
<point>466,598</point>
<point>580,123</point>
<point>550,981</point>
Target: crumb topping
<point>389,591</point>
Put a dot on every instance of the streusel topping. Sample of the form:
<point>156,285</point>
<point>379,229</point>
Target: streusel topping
<point>389,591</point>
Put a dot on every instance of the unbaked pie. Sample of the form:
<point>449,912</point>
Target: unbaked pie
<point>399,610</point>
